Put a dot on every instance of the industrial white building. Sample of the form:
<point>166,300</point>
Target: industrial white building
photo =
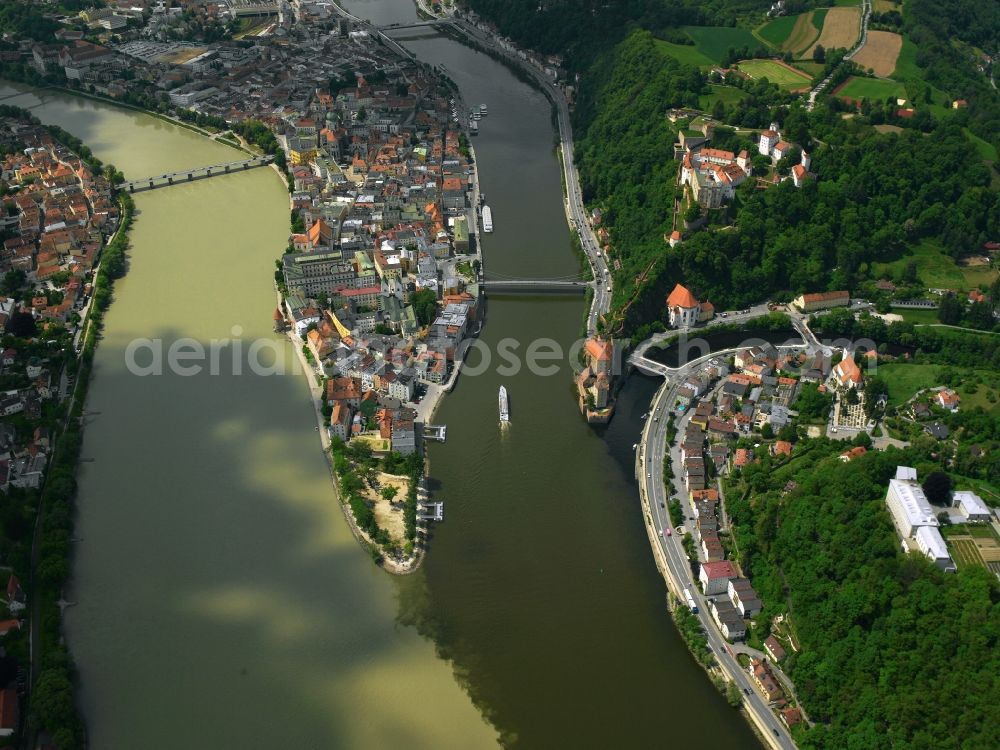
<point>908,504</point>
<point>914,518</point>
<point>931,543</point>
<point>971,506</point>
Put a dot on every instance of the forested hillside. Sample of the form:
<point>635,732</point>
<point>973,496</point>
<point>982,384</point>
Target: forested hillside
<point>876,193</point>
<point>581,29</point>
<point>893,652</point>
<point>934,26</point>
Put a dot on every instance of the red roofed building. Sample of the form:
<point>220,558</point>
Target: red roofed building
<point>685,310</point>
<point>781,448</point>
<point>847,373</point>
<point>822,300</point>
<point>853,453</point>
<point>714,576</point>
<point>600,354</point>
<point>948,399</point>
<point>799,175</point>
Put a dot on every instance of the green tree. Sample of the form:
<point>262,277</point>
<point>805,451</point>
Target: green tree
<point>13,281</point>
<point>819,54</point>
<point>424,303</point>
<point>950,310</point>
<point>937,487</point>
<point>389,492</point>
<point>733,695</point>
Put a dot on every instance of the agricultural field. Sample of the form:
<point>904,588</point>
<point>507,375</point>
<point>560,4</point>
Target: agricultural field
<point>880,52</point>
<point>715,41</point>
<point>841,28</point>
<point>776,32</point>
<point>974,545</point>
<point>883,6</point>
<point>685,53</point>
<point>875,89</point>
<point>782,75</point>
<point>938,270</point>
<point>719,93</point>
<point>793,34</point>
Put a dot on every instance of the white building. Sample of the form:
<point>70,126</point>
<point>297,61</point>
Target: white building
<point>914,518</point>
<point>970,505</point>
<point>768,140</point>
<point>931,543</point>
<point>908,505</point>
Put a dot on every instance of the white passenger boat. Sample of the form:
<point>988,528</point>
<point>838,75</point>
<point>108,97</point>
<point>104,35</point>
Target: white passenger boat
<point>504,405</point>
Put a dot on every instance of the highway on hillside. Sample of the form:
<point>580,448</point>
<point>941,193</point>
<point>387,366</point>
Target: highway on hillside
<point>678,569</point>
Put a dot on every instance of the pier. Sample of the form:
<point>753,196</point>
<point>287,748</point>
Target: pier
<point>435,432</point>
<point>428,511</point>
<point>190,175</point>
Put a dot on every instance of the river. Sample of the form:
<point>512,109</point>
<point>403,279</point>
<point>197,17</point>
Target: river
<point>220,595</point>
<point>541,583</point>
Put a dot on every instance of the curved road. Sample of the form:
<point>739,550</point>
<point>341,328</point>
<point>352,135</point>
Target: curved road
<point>673,560</point>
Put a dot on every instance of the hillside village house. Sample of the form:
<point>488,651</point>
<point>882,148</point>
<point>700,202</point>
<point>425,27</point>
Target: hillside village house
<point>685,310</point>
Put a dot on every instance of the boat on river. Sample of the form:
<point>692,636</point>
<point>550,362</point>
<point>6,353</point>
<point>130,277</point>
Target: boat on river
<point>473,127</point>
<point>482,110</point>
<point>504,406</point>
<point>487,219</point>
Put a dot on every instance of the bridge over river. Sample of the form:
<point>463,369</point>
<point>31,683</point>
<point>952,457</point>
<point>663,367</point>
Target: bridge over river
<point>498,282</point>
<point>197,173</point>
<point>417,24</point>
